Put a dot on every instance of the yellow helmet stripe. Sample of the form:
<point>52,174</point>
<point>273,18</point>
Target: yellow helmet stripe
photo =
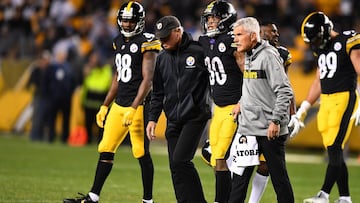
<point>304,22</point>
<point>128,7</point>
<point>210,6</point>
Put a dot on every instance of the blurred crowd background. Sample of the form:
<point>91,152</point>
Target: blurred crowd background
<point>29,26</point>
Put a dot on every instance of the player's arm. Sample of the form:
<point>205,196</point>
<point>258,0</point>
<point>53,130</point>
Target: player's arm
<point>112,91</point>
<point>240,59</point>
<point>148,67</point>
<point>355,59</point>
<point>315,89</point>
<point>287,64</point>
<point>297,120</point>
<point>100,116</point>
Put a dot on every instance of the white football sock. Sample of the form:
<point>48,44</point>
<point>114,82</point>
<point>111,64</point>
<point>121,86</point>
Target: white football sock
<point>347,198</point>
<point>258,187</point>
<point>94,197</point>
<point>325,194</point>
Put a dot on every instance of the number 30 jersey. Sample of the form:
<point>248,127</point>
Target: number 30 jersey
<point>128,61</point>
<point>337,73</point>
<point>225,75</point>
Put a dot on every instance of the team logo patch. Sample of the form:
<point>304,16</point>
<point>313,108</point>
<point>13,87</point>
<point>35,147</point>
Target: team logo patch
<point>159,26</point>
<point>337,46</point>
<point>222,47</point>
<point>134,48</point>
<point>190,61</point>
<point>59,74</point>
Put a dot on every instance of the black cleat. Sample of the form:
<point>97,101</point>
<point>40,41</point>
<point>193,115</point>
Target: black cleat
<point>82,199</point>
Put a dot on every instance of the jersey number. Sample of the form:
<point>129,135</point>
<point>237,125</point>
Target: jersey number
<point>123,69</point>
<point>327,65</point>
<point>216,70</point>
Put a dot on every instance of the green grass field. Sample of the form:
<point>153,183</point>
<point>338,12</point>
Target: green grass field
<point>40,172</point>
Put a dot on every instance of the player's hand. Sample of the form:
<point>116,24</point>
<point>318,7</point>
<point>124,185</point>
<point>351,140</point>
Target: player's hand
<point>235,112</point>
<point>296,124</point>
<point>356,116</point>
<point>150,130</point>
<point>297,120</point>
<point>128,116</point>
<point>100,116</point>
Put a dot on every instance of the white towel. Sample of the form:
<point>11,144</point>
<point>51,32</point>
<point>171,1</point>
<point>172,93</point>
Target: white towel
<point>244,152</point>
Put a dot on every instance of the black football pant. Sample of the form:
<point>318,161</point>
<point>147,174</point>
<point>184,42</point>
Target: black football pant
<point>274,152</point>
<point>239,185</point>
<point>182,141</point>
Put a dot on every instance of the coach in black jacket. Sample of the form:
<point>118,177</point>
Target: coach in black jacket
<point>180,88</point>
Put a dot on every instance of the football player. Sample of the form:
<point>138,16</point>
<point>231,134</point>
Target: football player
<point>225,82</point>
<point>338,55</point>
<point>269,32</point>
<point>135,53</point>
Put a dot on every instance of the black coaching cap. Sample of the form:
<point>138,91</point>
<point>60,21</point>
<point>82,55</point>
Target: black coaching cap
<point>165,25</point>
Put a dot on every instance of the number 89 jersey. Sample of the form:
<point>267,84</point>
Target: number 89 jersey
<point>225,75</point>
<point>128,60</point>
<point>337,73</point>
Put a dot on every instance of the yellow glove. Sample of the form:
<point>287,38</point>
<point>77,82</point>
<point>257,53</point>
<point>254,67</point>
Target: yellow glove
<point>100,116</point>
<point>128,116</point>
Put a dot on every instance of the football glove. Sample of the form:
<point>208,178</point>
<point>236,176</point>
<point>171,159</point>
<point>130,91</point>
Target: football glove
<point>100,116</point>
<point>297,120</point>
<point>128,116</point>
<point>356,116</point>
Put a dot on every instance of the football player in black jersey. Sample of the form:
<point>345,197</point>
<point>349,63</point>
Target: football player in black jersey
<point>135,53</point>
<point>225,82</point>
<point>338,56</point>
<point>269,31</point>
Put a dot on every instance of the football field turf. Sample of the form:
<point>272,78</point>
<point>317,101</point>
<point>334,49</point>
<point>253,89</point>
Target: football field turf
<point>41,172</point>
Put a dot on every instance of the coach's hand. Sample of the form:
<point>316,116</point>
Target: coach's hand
<point>100,116</point>
<point>297,120</point>
<point>356,116</point>
<point>128,116</point>
<point>150,130</point>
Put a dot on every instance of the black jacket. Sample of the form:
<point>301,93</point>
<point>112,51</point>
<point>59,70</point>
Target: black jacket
<point>181,83</point>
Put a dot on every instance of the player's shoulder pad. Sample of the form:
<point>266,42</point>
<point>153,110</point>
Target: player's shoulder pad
<point>353,40</point>
<point>283,48</point>
<point>349,32</point>
<point>150,43</point>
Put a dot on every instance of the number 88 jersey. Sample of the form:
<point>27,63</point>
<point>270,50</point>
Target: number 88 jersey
<point>128,61</point>
<point>337,73</point>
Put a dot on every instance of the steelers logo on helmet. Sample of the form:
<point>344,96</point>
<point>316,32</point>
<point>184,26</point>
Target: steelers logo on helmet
<point>131,11</point>
<point>222,9</point>
<point>316,29</point>
<point>206,152</point>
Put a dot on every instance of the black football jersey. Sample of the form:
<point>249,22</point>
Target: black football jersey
<point>286,56</point>
<point>337,73</point>
<point>225,75</point>
<point>128,62</point>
